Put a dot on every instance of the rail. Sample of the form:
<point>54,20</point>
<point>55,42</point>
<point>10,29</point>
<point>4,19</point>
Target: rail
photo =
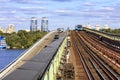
<point>75,43</point>
<point>107,71</point>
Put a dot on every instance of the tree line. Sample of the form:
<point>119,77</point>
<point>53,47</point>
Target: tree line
<point>22,39</point>
<point>115,31</point>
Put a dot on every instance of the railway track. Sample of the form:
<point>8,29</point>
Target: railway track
<point>79,52</point>
<point>94,67</point>
<point>82,73</point>
<point>108,47</point>
<point>109,56</point>
<point>106,43</point>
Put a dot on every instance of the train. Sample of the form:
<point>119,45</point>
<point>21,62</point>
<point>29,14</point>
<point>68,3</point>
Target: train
<point>78,28</point>
<point>60,29</point>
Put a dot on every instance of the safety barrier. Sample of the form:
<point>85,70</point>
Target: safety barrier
<point>52,70</point>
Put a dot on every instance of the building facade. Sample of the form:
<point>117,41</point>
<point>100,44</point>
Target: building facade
<point>10,28</point>
<point>97,27</point>
<point>33,25</point>
<point>44,24</point>
<point>3,44</point>
<point>106,26</point>
<point>1,29</point>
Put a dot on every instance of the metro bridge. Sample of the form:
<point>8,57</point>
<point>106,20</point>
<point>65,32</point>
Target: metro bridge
<point>93,54</point>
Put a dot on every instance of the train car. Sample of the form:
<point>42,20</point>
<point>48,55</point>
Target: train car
<point>60,29</point>
<point>78,27</point>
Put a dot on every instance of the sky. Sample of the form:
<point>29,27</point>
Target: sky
<point>60,13</point>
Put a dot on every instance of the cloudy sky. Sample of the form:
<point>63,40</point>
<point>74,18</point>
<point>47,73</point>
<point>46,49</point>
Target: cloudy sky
<point>61,13</point>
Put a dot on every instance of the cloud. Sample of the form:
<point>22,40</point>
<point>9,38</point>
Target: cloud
<point>62,11</point>
<point>8,11</point>
<point>63,0</point>
<point>3,19</point>
<point>5,0</point>
<point>32,2</point>
<point>91,16</point>
<point>20,1</point>
<point>14,11</point>
<point>114,16</point>
<point>89,4</point>
<point>86,13</point>
<point>101,9</point>
<point>8,14</point>
<point>65,12</point>
<point>32,8</point>
<point>20,11</point>
<point>106,9</point>
<point>33,12</point>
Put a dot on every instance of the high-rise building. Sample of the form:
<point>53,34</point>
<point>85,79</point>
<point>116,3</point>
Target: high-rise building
<point>44,24</point>
<point>89,26</point>
<point>106,26</point>
<point>1,29</point>
<point>97,27</point>
<point>33,25</point>
<point>10,28</point>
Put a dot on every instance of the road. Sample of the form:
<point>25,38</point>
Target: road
<point>29,53</point>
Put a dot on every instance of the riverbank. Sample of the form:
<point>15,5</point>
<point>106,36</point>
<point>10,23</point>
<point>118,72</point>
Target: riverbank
<point>29,53</point>
<point>22,39</point>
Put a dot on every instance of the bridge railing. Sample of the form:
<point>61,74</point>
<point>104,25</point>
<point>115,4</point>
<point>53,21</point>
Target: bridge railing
<point>52,70</point>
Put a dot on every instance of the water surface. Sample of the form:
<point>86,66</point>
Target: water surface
<point>7,56</point>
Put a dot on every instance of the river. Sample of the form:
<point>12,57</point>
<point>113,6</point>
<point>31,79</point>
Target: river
<point>7,56</point>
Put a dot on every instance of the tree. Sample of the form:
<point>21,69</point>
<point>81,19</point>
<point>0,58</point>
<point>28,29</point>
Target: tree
<point>22,39</point>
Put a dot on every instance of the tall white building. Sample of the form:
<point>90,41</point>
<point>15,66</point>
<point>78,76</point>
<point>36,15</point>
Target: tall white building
<point>10,28</point>
<point>97,27</point>
<point>1,29</point>
<point>89,26</point>
<point>44,24</point>
<point>106,26</point>
<point>33,25</point>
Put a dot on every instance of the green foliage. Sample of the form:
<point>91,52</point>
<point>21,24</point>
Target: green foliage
<point>115,31</point>
<point>22,39</point>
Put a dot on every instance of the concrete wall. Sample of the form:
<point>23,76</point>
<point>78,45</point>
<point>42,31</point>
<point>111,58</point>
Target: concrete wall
<point>53,68</point>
